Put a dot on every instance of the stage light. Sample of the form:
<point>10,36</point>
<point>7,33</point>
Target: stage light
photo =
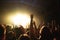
<point>20,19</point>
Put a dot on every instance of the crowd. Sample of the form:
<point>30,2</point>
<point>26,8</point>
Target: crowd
<point>45,31</point>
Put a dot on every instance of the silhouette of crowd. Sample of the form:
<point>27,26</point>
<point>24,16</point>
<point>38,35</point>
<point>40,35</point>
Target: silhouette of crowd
<point>45,31</point>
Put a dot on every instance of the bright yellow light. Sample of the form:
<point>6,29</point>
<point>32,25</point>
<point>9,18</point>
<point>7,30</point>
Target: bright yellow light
<point>20,19</point>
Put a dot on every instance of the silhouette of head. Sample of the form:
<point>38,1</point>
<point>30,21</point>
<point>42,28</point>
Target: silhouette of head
<point>10,35</point>
<point>23,37</point>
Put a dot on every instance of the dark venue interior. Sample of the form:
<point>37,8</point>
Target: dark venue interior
<point>29,20</point>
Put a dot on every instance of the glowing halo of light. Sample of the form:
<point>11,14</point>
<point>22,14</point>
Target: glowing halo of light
<point>20,19</point>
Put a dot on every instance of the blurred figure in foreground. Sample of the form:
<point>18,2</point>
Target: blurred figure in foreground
<point>19,30</point>
<point>56,33</point>
<point>11,36</point>
<point>45,34</point>
<point>2,32</point>
<point>24,37</point>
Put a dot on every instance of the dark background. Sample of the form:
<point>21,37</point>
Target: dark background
<point>49,9</point>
